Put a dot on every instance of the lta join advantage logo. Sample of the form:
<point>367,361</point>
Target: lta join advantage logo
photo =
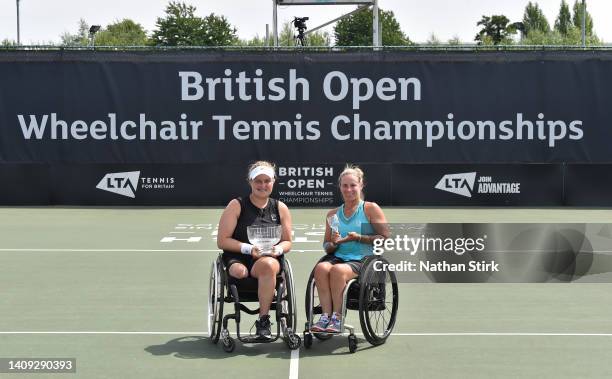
<point>460,184</point>
<point>121,183</point>
<point>464,185</point>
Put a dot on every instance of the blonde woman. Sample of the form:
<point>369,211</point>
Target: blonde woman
<point>359,224</point>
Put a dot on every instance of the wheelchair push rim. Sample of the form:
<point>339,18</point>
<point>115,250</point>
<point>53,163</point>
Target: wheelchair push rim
<point>379,298</point>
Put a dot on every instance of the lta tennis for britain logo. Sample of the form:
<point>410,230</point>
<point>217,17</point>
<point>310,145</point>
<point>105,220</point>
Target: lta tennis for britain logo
<point>121,183</point>
<point>463,184</point>
<point>126,183</point>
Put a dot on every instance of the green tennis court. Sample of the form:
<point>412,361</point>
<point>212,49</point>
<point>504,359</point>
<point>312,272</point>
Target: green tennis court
<point>124,291</point>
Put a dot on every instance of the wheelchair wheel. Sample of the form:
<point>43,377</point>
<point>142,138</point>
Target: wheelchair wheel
<point>378,301</point>
<point>316,305</point>
<point>216,288</point>
<point>287,301</point>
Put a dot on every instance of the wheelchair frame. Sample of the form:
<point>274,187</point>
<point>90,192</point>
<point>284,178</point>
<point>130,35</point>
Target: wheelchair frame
<point>283,304</point>
<point>367,285</point>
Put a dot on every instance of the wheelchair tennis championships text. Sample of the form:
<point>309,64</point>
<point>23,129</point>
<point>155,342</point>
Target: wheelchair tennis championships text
<point>337,87</point>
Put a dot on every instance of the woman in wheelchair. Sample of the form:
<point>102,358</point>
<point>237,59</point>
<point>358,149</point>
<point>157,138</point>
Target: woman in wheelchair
<point>243,259</point>
<point>357,225</point>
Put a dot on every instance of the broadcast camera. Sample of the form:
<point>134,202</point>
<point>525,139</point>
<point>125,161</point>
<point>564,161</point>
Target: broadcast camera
<point>300,23</point>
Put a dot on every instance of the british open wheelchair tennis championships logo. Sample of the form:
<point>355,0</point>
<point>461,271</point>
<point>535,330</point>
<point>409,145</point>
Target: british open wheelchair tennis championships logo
<point>313,185</point>
<point>127,183</point>
<point>464,184</point>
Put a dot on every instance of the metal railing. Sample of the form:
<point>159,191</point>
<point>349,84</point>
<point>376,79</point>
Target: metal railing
<point>415,47</point>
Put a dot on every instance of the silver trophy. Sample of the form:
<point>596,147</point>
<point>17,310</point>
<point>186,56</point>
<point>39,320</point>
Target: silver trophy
<point>264,237</point>
<point>334,223</point>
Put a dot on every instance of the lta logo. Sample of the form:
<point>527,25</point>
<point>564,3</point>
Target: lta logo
<point>460,184</point>
<point>121,183</point>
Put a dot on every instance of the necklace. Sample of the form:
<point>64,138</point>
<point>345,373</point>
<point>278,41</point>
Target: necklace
<point>352,211</point>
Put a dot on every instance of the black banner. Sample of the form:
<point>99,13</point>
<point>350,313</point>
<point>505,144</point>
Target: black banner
<point>588,185</point>
<point>486,185</point>
<point>234,107</point>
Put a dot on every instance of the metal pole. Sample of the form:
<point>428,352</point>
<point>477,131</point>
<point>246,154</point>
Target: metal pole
<point>275,23</point>
<point>584,23</point>
<point>267,42</point>
<point>375,40</point>
<point>18,31</point>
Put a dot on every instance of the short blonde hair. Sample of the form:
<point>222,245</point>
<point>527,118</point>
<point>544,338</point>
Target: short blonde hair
<point>260,164</point>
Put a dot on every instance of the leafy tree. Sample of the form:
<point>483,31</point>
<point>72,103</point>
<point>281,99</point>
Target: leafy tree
<point>563,24</point>
<point>534,19</point>
<point>495,30</point>
<point>122,33</point>
<point>356,30</point>
<point>81,38</point>
<point>554,38</point>
<point>217,31</point>
<point>181,27</point>
<point>577,19</point>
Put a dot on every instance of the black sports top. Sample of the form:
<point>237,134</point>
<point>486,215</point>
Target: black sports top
<point>250,215</point>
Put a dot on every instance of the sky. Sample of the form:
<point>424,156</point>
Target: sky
<point>44,21</point>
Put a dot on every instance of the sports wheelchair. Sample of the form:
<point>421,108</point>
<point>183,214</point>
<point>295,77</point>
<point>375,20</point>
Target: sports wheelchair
<point>226,289</point>
<point>373,293</point>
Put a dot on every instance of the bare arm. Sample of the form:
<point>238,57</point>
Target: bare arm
<point>227,225</point>
<point>286,225</point>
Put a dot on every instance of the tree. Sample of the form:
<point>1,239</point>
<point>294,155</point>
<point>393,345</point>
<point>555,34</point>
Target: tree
<point>356,30</point>
<point>217,31</point>
<point>122,33</point>
<point>563,24</point>
<point>81,38</point>
<point>495,30</point>
<point>181,27</point>
<point>577,19</point>
<point>534,19</point>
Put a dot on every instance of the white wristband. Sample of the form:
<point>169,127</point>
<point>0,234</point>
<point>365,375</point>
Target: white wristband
<point>246,248</point>
<point>278,250</point>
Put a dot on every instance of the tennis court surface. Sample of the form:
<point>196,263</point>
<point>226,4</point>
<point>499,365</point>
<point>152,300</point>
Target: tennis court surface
<point>124,291</point>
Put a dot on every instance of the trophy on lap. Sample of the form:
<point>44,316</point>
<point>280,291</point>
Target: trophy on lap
<point>264,237</point>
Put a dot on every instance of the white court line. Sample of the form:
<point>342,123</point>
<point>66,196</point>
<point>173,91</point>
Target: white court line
<point>136,250</point>
<point>203,333</point>
<point>294,364</point>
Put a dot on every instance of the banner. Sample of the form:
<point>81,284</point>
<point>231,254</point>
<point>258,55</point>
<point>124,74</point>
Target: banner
<point>235,107</point>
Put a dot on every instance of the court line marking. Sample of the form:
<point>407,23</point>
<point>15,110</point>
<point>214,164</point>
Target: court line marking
<point>203,333</point>
<point>294,364</point>
<point>137,250</point>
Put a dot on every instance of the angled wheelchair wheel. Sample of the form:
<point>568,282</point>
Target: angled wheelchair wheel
<point>216,286</point>
<point>317,307</point>
<point>287,300</point>
<point>378,301</point>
